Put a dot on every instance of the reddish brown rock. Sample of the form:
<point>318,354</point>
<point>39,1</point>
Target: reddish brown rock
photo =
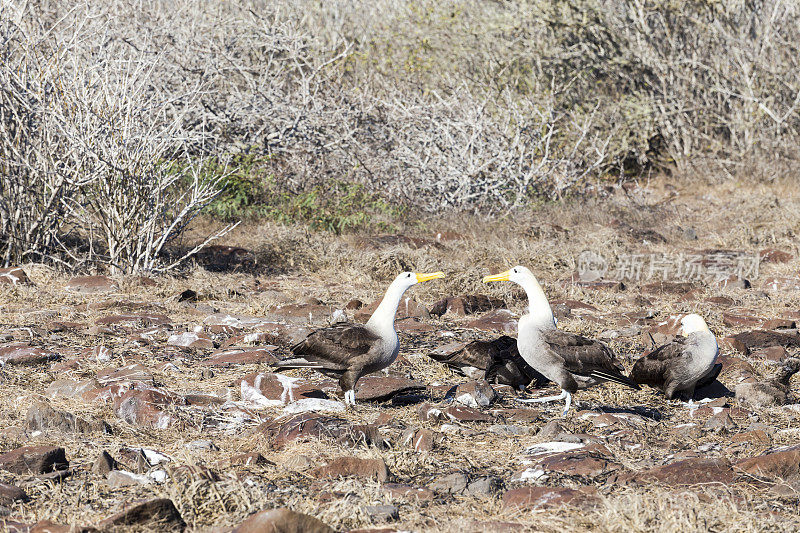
<point>668,287</point>
<point>466,305</point>
<point>249,459</point>
<point>42,417</point>
<point>419,439</point>
<point>68,388</point>
<point>160,512</point>
<point>282,521</point>
<point>25,355</point>
<point>781,284</point>
<point>11,493</point>
<point>412,324</point>
<point>34,460</point>
<point>353,467</point>
<point>773,353</point>
<point>306,426</point>
<point>533,498</point>
<point>145,407</point>
<point>782,464</point>
<point>757,339</point>
<point>276,388</point>
<point>462,413</point>
<point>407,492</point>
<point>773,255</point>
<point>91,284</point>
<point>500,320</point>
<point>476,393</point>
<point>191,339</point>
<point>132,372</point>
<point>669,326</point>
<point>14,276</point>
<point>696,471</point>
<point>135,320</point>
<point>584,462</point>
<point>242,356</point>
<point>379,388</point>
<point>48,526</point>
<point>723,301</point>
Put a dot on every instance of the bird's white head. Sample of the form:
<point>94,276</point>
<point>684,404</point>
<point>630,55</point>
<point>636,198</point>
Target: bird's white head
<point>693,323</point>
<point>407,279</point>
<point>538,307</point>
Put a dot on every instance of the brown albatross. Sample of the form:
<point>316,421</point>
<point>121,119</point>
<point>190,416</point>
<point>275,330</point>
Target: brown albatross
<point>496,361</point>
<point>570,360</point>
<point>349,351</point>
<point>683,364</point>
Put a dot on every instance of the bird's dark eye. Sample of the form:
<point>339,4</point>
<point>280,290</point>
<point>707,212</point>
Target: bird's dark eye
<point>408,275</point>
<point>515,271</point>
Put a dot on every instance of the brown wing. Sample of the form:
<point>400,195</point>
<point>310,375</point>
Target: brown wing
<point>334,349</point>
<point>586,357</point>
<point>506,366</point>
<point>653,368</point>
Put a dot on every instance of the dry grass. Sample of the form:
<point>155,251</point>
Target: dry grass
<point>324,266</point>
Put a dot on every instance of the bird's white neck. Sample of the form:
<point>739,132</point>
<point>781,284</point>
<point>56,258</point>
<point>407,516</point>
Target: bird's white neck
<point>539,312</point>
<point>382,320</point>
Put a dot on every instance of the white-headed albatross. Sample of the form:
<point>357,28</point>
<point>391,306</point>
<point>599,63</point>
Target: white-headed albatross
<point>571,361</point>
<point>679,365</point>
<point>349,351</point>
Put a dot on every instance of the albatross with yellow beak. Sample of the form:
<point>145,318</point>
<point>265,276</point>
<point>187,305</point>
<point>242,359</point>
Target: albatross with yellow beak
<point>572,361</point>
<point>349,351</point>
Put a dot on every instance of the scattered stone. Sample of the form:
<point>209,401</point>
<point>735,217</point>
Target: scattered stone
<point>500,320</point>
<point>104,464</point>
<point>721,421</point>
<point>34,460</point>
<point>462,413</point>
<point>42,417</point>
<point>773,255</point>
<point>760,394</point>
<point>132,372</point>
<point>781,284</point>
<point>91,285</point>
<point>781,464</point>
<point>14,276</point>
<point>122,478</point>
<point>145,408</point>
<point>378,388</point>
<point>475,394</point>
<point>466,305</point>
<point>251,459</point>
<point>408,492</point>
<point>485,486</point>
<point>191,339</point>
<point>353,467</point>
<point>25,355</point>
<point>161,513</point>
<point>11,493</point>
<point>282,520</point>
<point>758,339</point>
<point>507,430</point>
<point>267,389</point>
<point>382,513</point>
<point>428,412</point>
<point>420,439</point>
<point>533,498</point>
<point>305,426</point>
<point>453,483</point>
<point>695,471</point>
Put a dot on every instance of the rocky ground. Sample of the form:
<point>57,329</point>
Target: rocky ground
<point>148,402</point>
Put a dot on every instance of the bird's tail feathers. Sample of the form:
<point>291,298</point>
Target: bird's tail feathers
<point>616,378</point>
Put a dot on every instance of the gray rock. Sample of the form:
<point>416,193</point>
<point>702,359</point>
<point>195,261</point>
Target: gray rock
<point>485,486</point>
<point>382,513</point>
<point>475,394</point>
<point>510,430</point>
<point>455,482</point>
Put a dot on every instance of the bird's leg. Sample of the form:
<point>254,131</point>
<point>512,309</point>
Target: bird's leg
<point>350,397</point>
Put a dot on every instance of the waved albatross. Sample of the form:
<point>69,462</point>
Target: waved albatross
<point>349,351</point>
<point>496,361</point>
<point>570,360</point>
<point>681,365</point>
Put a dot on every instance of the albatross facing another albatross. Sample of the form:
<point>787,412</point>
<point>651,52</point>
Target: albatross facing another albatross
<point>678,366</point>
<point>572,361</point>
<point>349,351</point>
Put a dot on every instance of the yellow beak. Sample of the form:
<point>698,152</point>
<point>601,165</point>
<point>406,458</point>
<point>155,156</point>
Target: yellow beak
<point>430,276</point>
<point>502,276</point>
